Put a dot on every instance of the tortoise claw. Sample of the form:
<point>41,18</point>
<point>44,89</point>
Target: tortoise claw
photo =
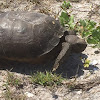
<point>55,67</point>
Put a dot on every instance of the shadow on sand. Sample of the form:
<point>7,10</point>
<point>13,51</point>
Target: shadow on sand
<point>71,67</point>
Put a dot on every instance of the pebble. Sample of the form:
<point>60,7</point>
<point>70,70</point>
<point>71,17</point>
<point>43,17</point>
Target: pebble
<point>94,62</point>
<point>28,94</point>
<point>79,92</point>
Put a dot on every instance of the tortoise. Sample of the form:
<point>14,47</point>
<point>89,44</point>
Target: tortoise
<point>35,37</point>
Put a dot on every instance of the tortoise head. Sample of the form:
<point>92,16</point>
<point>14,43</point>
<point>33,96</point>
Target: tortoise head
<point>77,44</point>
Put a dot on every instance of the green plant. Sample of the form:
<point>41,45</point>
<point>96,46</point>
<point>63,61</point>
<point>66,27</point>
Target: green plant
<point>67,21</point>
<point>65,18</point>
<point>12,80</point>
<point>46,79</point>
<point>89,30</point>
<point>66,5</point>
<point>7,94</point>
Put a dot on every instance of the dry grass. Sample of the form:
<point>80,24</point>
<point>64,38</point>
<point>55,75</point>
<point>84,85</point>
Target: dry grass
<point>12,88</point>
<point>13,95</point>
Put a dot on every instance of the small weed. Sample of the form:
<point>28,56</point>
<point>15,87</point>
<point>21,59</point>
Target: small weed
<point>12,95</point>
<point>12,80</point>
<point>7,94</point>
<point>11,86</point>
<point>66,5</point>
<point>46,79</point>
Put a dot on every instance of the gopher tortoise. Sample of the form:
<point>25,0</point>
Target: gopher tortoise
<point>35,37</point>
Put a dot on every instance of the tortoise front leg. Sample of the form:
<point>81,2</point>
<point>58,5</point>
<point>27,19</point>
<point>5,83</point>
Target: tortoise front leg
<point>65,48</point>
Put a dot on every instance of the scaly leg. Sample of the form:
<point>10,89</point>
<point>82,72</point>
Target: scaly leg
<point>65,48</point>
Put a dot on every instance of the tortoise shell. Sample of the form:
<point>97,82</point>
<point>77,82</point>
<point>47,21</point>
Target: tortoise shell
<point>28,34</point>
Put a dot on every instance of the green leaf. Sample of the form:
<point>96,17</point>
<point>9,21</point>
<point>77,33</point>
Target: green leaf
<point>66,5</point>
<point>92,23</point>
<point>71,22</point>
<point>91,40</point>
<point>98,28</point>
<point>82,23</point>
<point>64,18</point>
<point>86,34</point>
<point>96,34</point>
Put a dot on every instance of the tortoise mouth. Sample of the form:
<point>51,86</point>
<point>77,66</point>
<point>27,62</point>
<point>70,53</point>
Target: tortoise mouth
<point>77,48</point>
